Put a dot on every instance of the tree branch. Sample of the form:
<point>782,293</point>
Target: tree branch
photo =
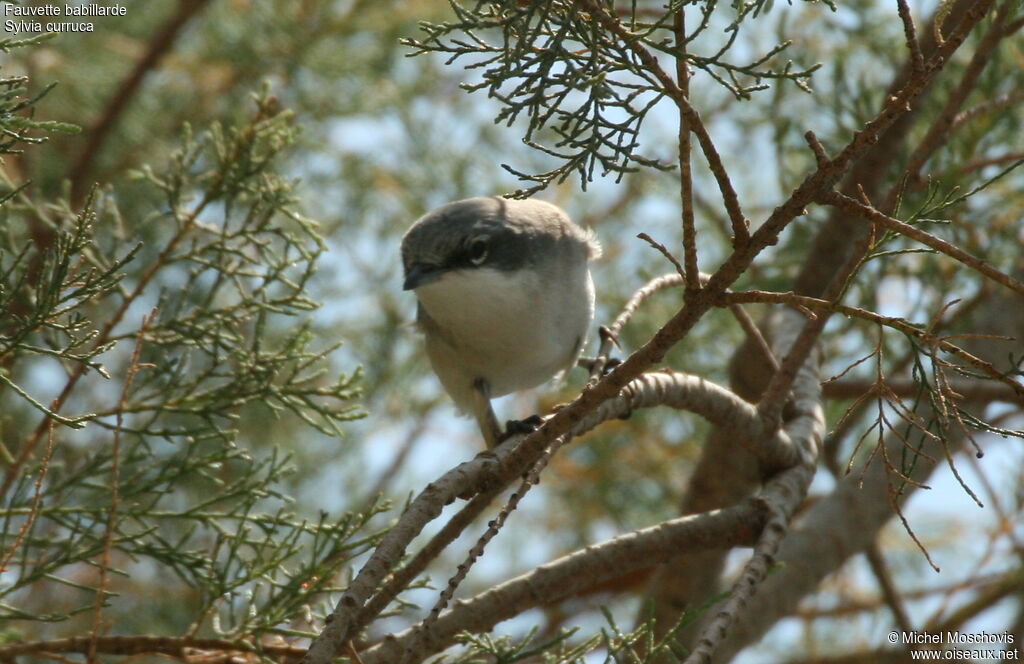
<point>837,235</point>
<point>569,418</point>
<point>970,390</point>
<point>735,526</point>
<point>869,213</point>
<point>692,271</point>
<point>119,101</point>
<point>740,224</point>
<point>940,129</point>
<point>834,528</point>
<point>499,466</point>
<point>910,32</point>
<point>782,498</point>
<point>898,324</point>
<point>174,646</point>
<point>775,394</point>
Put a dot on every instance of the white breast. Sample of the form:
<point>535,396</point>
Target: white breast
<point>513,329</point>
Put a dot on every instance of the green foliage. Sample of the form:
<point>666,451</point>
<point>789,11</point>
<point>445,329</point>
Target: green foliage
<point>191,476</point>
<point>125,370</point>
<point>583,88</point>
<point>614,644</point>
<point>14,128</point>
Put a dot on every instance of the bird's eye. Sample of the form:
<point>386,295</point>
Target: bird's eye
<point>478,251</point>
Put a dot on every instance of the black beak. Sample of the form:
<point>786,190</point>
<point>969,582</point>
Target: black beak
<point>420,274</point>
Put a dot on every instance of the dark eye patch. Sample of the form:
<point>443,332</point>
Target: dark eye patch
<point>502,249</point>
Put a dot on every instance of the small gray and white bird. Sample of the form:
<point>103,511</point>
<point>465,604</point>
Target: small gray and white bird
<point>505,297</point>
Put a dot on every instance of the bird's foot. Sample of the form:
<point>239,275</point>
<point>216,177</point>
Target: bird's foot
<point>609,365</point>
<point>598,367</point>
<point>591,363</point>
<point>515,427</point>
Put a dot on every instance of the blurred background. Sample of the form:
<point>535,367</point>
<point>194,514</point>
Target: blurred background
<point>349,141</point>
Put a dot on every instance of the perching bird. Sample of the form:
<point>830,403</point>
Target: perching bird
<point>505,297</point>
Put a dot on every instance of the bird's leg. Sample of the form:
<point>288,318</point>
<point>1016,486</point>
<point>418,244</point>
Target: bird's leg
<point>488,422</point>
<point>484,414</point>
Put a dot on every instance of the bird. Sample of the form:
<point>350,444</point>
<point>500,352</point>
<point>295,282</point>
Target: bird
<point>505,298</point>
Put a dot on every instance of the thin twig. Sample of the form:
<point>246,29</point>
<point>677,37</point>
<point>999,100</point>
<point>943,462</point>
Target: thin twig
<point>895,323</point>
<point>685,173</point>
<point>987,107</point>
<point>671,259</point>
<point>777,390</point>
<point>1013,27</point>
<point>820,156</point>
<point>999,160</point>
<point>531,479</point>
<point>910,32</point>
<point>896,505</point>
<point>941,128</point>
<point>740,225</point>
<point>353,653</point>
<point>610,334</point>
<point>37,496</point>
<point>871,214</point>
<point>977,389</point>
<point>650,288</point>
<point>431,550</point>
<point>115,479</point>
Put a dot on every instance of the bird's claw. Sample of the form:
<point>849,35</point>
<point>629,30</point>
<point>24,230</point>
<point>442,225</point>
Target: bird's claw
<point>528,425</point>
<point>609,365</point>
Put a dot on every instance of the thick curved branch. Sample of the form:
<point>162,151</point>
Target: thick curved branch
<point>762,519</point>
<point>806,427</point>
<point>719,406</point>
<point>734,526</point>
<point>500,466</point>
